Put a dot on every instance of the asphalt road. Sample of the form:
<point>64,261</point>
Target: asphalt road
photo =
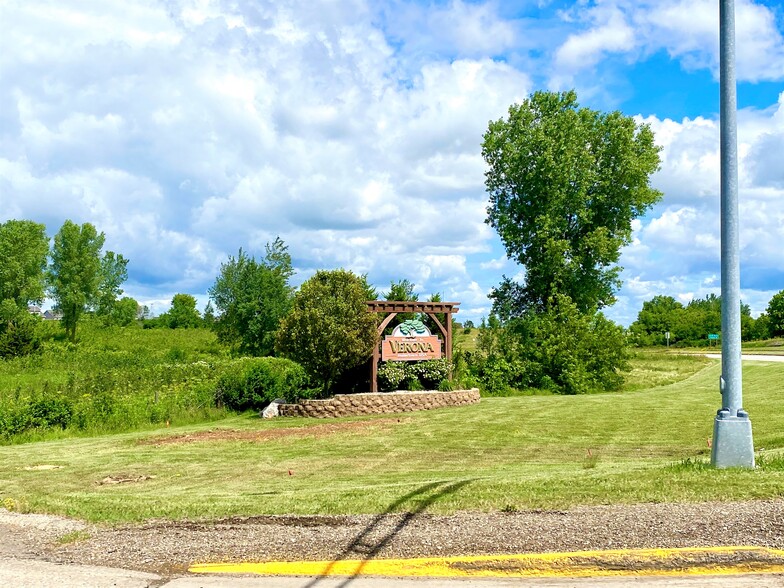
<point>750,357</point>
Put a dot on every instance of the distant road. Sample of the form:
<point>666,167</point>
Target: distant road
<point>746,357</point>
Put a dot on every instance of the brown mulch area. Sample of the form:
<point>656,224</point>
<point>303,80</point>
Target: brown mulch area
<point>316,431</point>
<point>168,547</point>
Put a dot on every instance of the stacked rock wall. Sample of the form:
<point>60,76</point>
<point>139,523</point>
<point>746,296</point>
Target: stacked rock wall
<point>342,405</point>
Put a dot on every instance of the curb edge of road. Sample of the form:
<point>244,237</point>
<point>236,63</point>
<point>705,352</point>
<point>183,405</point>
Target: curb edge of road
<point>691,561</point>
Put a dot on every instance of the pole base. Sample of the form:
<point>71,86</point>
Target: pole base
<point>732,443</point>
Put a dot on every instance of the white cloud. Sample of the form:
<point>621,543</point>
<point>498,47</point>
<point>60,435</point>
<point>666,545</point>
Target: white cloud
<point>611,34</point>
<point>456,28</point>
<point>494,264</point>
<point>688,30</point>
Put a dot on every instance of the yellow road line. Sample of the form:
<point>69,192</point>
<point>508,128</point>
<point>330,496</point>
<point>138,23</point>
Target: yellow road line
<point>620,562</point>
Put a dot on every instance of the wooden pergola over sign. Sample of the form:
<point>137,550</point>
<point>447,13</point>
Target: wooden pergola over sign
<point>393,307</point>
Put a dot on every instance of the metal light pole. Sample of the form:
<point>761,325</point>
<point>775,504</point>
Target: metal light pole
<point>732,442</point>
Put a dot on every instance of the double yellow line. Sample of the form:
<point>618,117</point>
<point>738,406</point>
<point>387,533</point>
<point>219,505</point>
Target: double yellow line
<point>620,562</point>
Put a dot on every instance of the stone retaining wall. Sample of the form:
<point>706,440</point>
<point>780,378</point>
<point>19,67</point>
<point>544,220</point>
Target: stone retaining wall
<point>342,405</point>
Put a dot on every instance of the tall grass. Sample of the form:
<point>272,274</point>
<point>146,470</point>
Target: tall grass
<point>111,380</point>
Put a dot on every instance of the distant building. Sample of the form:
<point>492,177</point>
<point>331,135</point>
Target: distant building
<point>47,315</point>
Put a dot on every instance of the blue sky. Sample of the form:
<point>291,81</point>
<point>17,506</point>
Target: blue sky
<point>186,129</point>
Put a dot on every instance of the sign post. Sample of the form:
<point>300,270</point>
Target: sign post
<point>732,442</point>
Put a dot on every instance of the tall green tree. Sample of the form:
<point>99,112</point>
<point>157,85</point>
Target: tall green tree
<point>74,274</point>
<point>114,272</point>
<point>209,315</point>
<point>330,328</point>
<point>565,184</point>
<point>24,247</point>
<point>183,313</point>
<point>402,290</point>
<point>775,313</point>
<point>23,250</point>
<point>125,311</point>
<point>658,316</point>
<point>370,290</point>
<point>252,297</point>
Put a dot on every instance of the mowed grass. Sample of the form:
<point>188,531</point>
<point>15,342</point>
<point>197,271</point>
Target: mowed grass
<point>649,368</point>
<point>767,347</point>
<point>529,452</point>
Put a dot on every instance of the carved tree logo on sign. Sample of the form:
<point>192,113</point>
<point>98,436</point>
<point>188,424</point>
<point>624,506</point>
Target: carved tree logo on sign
<point>411,341</point>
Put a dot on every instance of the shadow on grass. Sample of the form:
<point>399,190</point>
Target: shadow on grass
<point>365,547</point>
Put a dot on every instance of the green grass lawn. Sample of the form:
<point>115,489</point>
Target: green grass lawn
<point>768,347</point>
<point>528,452</point>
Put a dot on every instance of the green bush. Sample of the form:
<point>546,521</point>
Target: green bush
<point>391,374</point>
<point>51,412</point>
<point>432,372</point>
<point>44,413</point>
<point>445,386</point>
<point>560,350</point>
<point>418,375</point>
<point>330,329</point>
<point>18,331</point>
<point>255,383</point>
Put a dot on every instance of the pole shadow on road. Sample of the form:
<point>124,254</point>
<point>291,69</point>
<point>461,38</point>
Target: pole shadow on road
<point>364,548</point>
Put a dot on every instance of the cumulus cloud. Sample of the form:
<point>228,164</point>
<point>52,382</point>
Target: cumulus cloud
<point>610,33</point>
<point>456,28</point>
<point>686,29</point>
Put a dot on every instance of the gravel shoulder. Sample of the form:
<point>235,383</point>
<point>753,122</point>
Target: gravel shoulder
<point>168,548</point>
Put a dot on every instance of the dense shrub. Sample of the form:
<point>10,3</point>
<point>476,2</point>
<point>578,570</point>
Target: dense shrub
<point>330,329</point>
<point>51,412</point>
<point>391,375</point>
<point>43,413</point>
<point>255,383</point>
<point>418,375</point>
<point>561,350</point>
<point>18,331</point>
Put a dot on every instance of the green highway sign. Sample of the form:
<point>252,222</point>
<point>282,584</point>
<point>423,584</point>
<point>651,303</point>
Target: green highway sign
<point>713,336</point>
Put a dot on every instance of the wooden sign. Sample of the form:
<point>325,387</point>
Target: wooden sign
<point>410,348</point>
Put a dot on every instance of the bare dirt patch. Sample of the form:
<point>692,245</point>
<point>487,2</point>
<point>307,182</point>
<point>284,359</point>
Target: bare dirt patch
<point>316,431</point>
<point>124,479</point>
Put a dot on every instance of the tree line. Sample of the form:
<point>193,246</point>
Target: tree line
<point>324,325</point>
<point>690,324</point>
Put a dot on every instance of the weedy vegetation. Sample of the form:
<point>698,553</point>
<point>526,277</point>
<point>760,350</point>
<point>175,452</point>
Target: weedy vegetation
<point>115,379</point>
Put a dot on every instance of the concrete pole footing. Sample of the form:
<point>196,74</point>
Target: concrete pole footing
<point>732,442</point>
